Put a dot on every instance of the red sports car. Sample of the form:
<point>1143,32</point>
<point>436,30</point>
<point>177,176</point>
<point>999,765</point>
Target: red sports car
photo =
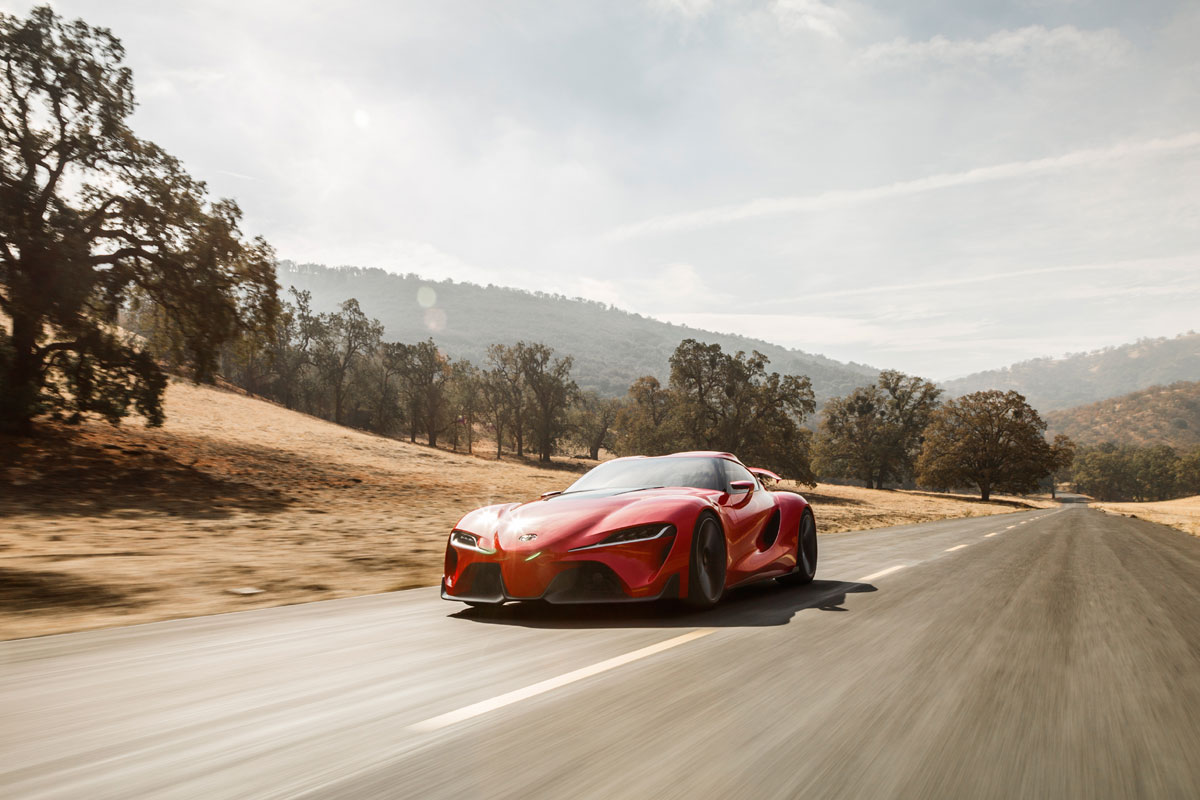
<point>686,526</point>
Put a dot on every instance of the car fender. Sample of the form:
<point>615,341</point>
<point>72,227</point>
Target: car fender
<point>791,507</point>
<point>483,521</point>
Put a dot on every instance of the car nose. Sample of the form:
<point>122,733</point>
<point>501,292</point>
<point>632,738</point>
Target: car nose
<point>518,542</point>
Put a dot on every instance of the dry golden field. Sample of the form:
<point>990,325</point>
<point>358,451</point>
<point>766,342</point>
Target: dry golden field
<point>1183,513</point>
<point>237,503</point>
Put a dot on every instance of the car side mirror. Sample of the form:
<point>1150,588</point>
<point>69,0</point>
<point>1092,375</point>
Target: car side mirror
<point>737,487</point>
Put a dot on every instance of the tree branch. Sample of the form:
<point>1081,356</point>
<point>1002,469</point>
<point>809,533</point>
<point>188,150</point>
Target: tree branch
<point>55,347</point>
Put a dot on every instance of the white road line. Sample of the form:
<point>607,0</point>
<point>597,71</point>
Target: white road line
<point>993,533</point>
<point>956,547</point>
<point>483,707</point>
<point>881,573</point>
<point>1010,527</point>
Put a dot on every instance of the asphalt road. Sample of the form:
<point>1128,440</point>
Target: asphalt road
<point>1049,654</point>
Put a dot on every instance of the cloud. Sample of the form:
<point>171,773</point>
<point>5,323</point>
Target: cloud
<point>775,206</point>
<point>1137,267</point>
<point>1023,44</point>
<point>671,286</point>
<point>688,9</point>
<point>163,82</point>
<point>812,15</point>
<point>495,147</point>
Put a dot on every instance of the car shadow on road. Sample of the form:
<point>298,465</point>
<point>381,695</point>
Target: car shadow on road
<point>758,605</point>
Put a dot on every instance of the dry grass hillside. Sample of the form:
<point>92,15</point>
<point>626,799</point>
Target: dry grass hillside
<point>1078,378</point>
<point>1183,513</point>
<point>1159,415</point>
<point>237,503</point>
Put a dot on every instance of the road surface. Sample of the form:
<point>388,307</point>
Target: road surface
<point>1051,653</point>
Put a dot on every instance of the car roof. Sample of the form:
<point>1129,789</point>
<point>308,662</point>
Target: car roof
<point>703,454</point>
<point>690,454</point>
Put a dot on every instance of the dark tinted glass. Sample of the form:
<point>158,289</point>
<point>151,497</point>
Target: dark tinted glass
<point>643,473</point>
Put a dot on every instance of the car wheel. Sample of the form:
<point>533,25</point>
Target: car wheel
<point>706,574</point>
<point>806,552</point>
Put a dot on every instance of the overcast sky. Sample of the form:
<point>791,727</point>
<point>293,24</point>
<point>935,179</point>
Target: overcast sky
<point>939,186</point>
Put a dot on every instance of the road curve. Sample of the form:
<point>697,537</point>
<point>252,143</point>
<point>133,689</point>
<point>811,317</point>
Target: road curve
<point>1051,653</point>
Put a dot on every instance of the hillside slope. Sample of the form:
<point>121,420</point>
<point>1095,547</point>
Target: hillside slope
<point>1159,415</point>
<point>611,347</point>
<point>1080,378</point>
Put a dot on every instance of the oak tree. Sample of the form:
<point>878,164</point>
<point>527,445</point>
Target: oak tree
<point>731,402</point>
<point>426,376</point>
<point>993,440</point>
<point>644,423</point>
<point>593,420</point>
<point>551,391</point>
<point>345,338</point>
<point>94,219</point>
<point>507,370</point>
<point>874,433</point>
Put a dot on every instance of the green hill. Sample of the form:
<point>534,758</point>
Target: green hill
<point>611,347</point>
<point>1079,378</point>
<point>1159,415</point>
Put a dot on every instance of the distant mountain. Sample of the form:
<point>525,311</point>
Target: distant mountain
<point>611,347</point>
<point>1053,383</point>
<point>1159,415</point>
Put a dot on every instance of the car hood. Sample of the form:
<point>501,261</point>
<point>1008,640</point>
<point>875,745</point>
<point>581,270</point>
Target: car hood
<point>577,519</point>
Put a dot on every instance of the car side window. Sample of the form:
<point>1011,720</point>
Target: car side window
<point>736,472</point>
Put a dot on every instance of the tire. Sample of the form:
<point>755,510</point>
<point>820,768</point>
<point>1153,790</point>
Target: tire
<point>707,565</point>
<point>806,552</point>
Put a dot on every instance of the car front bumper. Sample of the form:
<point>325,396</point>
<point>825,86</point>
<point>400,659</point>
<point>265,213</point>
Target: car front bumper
<point>619,574</point>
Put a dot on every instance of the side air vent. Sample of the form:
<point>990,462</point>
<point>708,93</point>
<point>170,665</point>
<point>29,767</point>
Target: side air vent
<point>770,532</point>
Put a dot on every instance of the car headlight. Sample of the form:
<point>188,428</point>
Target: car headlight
<point>641,533</point>
<point>468,541</point>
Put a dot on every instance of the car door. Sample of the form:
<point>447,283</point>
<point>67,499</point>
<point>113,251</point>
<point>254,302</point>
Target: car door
<point>746,514</point>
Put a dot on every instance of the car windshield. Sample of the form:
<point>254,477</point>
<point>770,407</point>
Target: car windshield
<point>646,473</point>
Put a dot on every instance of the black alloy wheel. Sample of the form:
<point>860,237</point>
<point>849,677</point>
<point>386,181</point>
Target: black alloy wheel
<point>706,577</point>
<point>806,552</point>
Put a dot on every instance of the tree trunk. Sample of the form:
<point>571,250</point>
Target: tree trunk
<point>985,492</point>
<point>499,429</point>
<point>18,403</point>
